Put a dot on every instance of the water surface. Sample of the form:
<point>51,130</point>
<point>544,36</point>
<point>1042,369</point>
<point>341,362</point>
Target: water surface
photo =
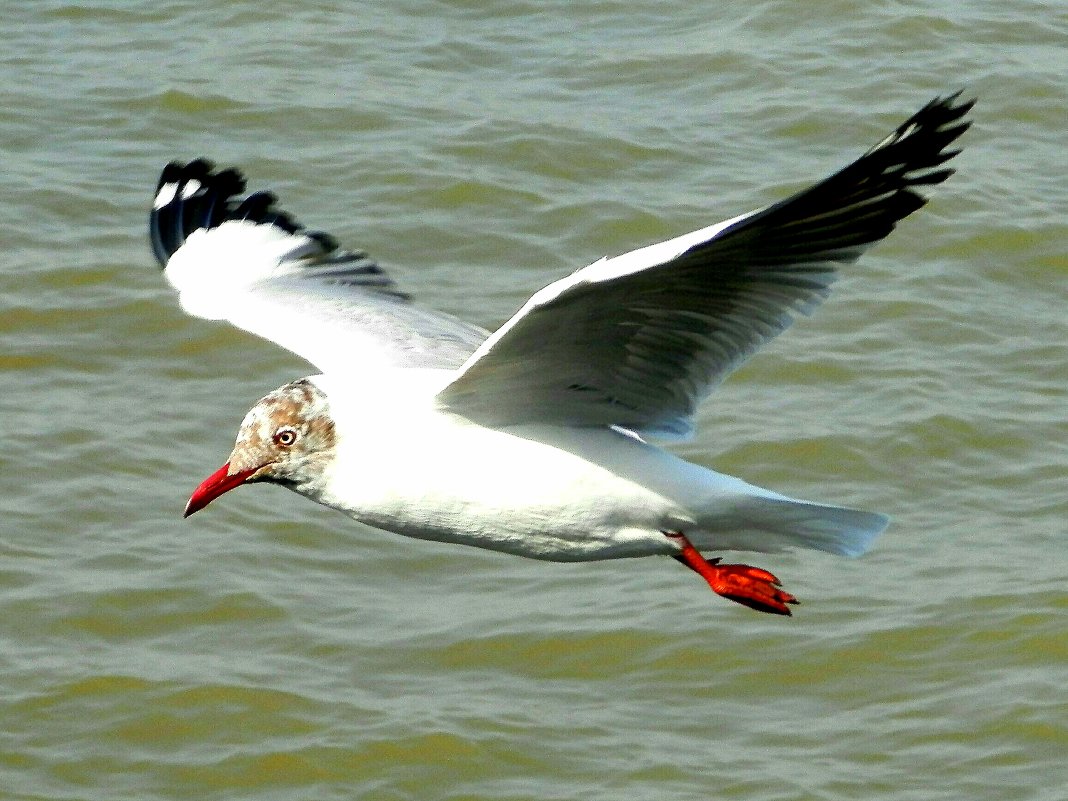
<point>271,649</point>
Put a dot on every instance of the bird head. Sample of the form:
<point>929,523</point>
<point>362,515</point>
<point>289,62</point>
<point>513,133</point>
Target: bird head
<point>287,438</point>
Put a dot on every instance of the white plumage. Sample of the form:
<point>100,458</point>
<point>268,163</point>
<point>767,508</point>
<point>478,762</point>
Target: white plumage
<point>532,439</point>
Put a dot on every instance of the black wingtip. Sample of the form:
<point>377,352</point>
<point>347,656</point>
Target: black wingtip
<point>194,196</point>
<point>922,142</point>
<point>839,217</point>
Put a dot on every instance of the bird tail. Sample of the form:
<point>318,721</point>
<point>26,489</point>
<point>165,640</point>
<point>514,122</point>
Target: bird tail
<point>772,522</point>
<point>834,529</point>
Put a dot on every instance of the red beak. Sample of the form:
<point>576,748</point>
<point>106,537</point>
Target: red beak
<point>215,485</point>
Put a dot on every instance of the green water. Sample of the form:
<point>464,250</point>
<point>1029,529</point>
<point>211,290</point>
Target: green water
<point>271,649</point>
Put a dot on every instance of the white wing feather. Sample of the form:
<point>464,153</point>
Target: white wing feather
<point>634,342</point>
<point>251,265</point>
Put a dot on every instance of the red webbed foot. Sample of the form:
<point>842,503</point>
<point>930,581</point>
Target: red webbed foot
<point>750,586</point>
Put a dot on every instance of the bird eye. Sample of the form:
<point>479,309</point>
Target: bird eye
<point>285,437</point>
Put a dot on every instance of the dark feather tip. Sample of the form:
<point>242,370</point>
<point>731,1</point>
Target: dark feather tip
<point>193,196</point>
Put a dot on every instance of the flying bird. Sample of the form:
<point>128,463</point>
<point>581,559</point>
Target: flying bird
<point>536,439</point>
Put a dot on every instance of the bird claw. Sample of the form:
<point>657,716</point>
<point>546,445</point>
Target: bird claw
<point>750,586</point>
<point>744,584</point>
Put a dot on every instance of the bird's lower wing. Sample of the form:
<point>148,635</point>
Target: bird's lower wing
<point>637,341</point>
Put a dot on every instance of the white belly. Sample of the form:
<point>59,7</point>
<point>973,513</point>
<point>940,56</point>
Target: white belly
<point>513,490</point>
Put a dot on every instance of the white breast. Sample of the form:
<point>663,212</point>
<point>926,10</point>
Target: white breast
<point>538,491</point>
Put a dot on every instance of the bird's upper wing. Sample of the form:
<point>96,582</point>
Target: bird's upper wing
<point>638,340</point>
<point>245,261</point>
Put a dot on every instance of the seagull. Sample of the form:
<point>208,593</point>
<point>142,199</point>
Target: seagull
<point>538,439</point>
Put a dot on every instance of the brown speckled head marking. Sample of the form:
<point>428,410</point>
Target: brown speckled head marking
<point>287,437</point>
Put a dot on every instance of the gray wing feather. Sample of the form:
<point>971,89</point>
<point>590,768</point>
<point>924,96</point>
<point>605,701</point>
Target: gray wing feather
<point>339,327</point>
<point>639,340</point>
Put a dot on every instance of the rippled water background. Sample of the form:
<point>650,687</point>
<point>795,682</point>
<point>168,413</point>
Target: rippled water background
<point>271,649</point>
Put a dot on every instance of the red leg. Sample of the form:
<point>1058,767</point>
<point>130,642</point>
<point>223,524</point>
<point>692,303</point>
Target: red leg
<point>750,586</point>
